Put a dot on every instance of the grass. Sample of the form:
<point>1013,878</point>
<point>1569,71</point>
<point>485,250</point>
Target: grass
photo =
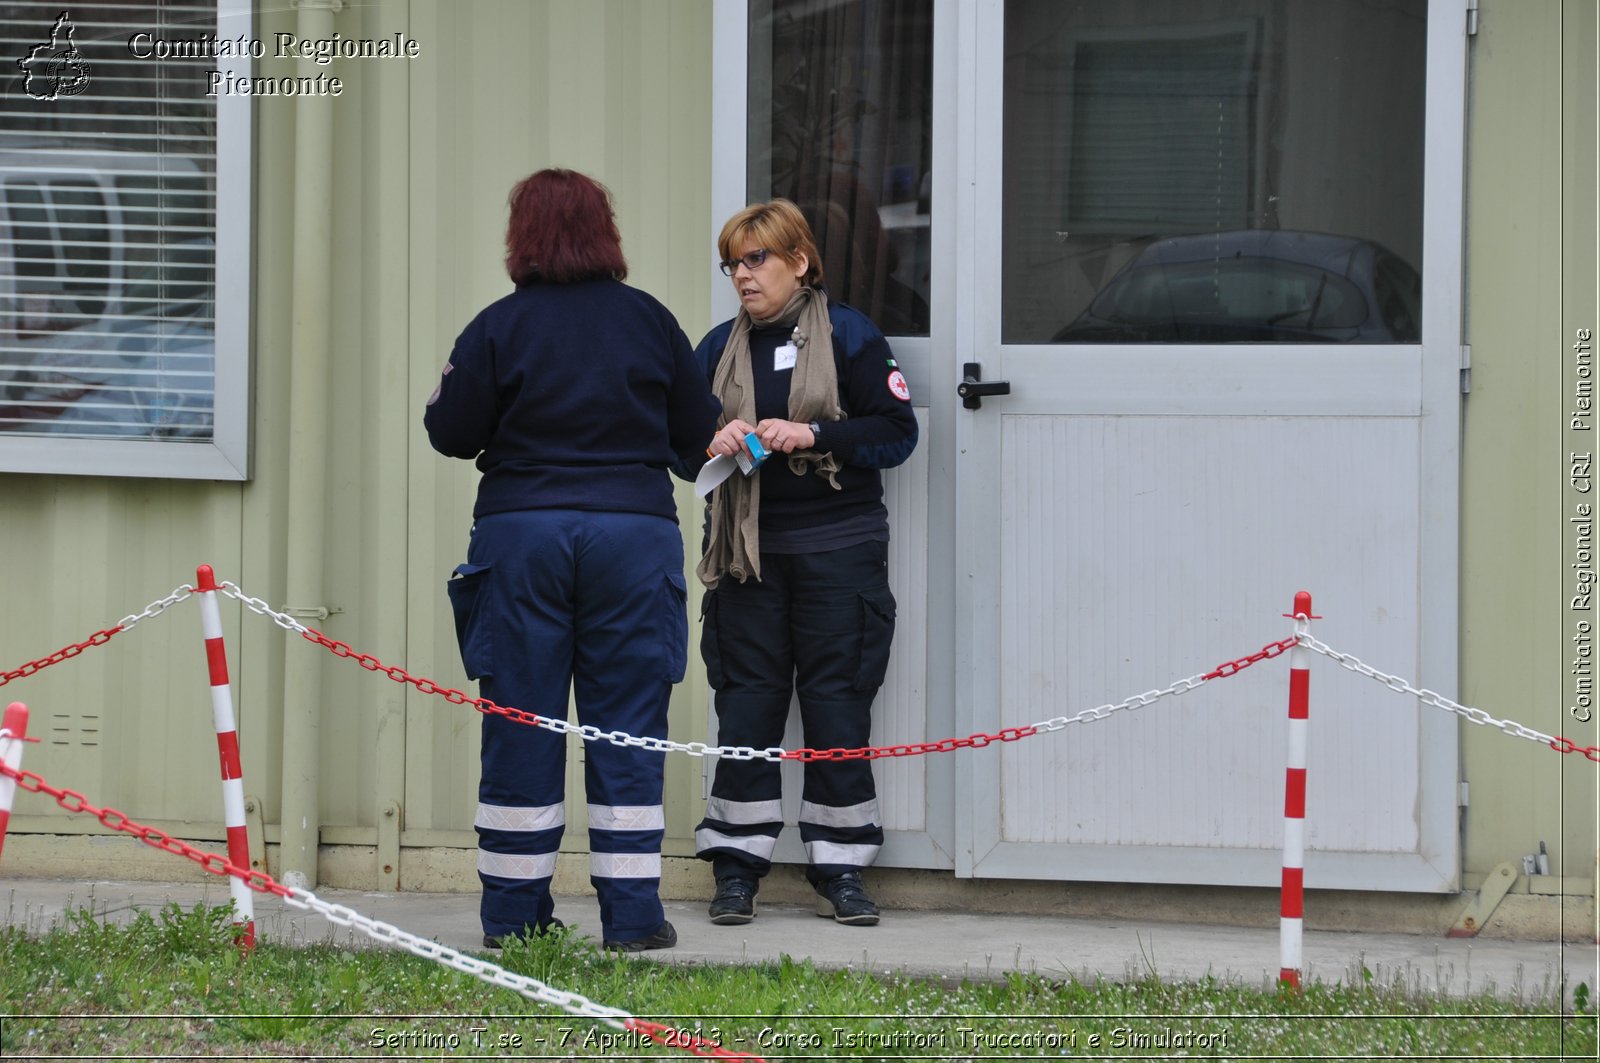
<point>171,986</point>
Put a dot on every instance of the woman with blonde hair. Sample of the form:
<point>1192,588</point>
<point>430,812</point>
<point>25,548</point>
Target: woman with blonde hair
<point>796,561</point>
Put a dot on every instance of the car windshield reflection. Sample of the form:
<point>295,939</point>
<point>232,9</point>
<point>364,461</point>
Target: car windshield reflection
<point>1256,286</point>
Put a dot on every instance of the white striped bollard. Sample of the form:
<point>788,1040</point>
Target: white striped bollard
<point>228,754</point>
<point>1292,903</point>
<point>13,732</point>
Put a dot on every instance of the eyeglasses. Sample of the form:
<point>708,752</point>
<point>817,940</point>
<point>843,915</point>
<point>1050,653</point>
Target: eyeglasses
<point>751,259</point>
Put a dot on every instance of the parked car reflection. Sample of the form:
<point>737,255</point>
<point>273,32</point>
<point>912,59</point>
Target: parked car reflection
<point>147,380</point>
<point>107,271</point>
<point>1256,285</point>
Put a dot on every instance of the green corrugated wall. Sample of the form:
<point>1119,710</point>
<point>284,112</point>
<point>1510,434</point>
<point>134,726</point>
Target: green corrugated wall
<point>425,153</point>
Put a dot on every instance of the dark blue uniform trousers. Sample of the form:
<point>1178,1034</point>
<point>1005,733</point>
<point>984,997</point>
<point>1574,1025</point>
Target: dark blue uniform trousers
<point>592,602</point>
<point>820,626</point>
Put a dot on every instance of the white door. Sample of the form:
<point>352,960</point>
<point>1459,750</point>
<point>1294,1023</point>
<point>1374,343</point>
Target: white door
<point>1199,427</point>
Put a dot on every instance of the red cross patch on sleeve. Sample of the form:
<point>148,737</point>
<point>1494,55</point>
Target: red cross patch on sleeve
<point>898,386</point>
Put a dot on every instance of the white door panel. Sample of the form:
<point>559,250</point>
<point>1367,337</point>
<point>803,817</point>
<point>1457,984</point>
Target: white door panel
<point>1176,555</point>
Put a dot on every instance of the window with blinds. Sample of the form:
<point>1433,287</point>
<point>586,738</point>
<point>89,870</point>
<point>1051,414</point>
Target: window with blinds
<point>1162,133</point>
<point>123,281</point>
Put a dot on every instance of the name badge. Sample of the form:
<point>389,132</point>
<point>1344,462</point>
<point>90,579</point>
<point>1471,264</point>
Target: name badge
<point>784,357</point>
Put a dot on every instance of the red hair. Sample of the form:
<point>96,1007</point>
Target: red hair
<point>562,230</point>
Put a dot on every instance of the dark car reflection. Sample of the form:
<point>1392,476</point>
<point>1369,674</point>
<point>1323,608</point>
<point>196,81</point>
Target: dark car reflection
<point>1256,285</point>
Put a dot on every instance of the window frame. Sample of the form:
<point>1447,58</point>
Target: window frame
<point>226,456</point>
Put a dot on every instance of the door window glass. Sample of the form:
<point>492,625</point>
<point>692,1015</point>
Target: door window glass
<point>841,99</point>
<point>1213,171</point>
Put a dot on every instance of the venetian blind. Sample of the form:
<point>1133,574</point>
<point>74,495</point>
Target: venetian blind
<point>108,201</point>
<point>1162,134</point>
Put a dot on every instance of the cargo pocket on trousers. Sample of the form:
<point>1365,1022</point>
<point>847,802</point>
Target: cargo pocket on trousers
<point>471,602</point>
<point>710,647</point>
<point>675,624</point>
<point>877,635</point>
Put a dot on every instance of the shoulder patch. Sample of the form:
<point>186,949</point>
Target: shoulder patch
<point>898,386</point>
<point>440,388</point>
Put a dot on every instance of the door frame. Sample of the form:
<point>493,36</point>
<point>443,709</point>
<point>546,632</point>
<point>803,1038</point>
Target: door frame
<point>925,484</point>
<point>1426,383</point>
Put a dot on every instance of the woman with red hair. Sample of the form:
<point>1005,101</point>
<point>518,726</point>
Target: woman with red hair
<point>574,393</point>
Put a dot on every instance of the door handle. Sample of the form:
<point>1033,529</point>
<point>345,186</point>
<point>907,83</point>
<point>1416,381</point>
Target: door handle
<point>973,387</point>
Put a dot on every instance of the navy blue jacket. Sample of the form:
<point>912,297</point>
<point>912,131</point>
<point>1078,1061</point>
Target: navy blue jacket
<point>573,396</point>
<point>878,432</point>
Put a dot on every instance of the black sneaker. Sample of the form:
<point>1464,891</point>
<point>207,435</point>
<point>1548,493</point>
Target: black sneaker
<point>497,941</point>
<point>734,902</point>
<point>845,899</point>
<point>663,937</point>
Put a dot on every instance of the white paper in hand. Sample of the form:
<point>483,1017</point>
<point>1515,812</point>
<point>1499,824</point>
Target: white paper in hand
<point>713,473</point>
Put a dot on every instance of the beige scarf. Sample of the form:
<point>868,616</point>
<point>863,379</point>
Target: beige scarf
<point>735,543</point>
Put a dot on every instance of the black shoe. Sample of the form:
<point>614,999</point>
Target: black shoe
<point>663,937</point>
<point>734,902</point>
<point>497,941</point>
<point>845,900</point>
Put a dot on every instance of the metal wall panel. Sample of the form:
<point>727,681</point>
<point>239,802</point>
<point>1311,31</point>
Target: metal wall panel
<point>619,91</point>
<point>127,723</point>
<point>425,153</point>
<point>1524,180</point>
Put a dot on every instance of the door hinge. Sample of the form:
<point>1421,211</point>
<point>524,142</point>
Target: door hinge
<point>1465,794</point>
<point>1472,18</point>
<point>1466,368</point>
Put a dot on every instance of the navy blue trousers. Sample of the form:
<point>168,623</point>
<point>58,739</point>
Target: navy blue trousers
<point>818,626</point>
<point>591,603</point>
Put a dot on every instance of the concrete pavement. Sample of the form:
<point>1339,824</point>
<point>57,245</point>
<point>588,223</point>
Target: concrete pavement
<point>937,944</point>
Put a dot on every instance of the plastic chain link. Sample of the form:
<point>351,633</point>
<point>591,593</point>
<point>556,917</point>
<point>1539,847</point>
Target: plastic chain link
<point>99,638</point>
<point>1439,701</point>
<point>590,733</point>
<point>1265,653</point>
<point>76,803</point>
<point>493,974</point>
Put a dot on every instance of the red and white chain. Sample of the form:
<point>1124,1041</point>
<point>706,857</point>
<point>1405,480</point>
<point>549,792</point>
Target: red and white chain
<point>591,733</point>
<point>217,864</point>
<point>157,607</point>
<point>588,732</point>
<point>99,638</point>
<point>1137,701</point>
<point>1439,701</point>
<point>492,973</point>
<point>386,933</point>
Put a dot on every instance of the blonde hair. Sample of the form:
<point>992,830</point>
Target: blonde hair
<point>780,228</point>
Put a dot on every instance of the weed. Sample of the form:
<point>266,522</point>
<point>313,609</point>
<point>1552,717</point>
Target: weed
<point>175,985</point>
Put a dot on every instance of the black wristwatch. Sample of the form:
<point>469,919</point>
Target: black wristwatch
<point>816,434</point>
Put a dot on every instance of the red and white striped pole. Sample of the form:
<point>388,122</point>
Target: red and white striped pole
<point>13,732</point>
<point>228,754</point>
<point>1292,912</point>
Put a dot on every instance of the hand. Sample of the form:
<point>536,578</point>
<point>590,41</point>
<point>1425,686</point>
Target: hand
<point>730,439</point>
<point>785,437</point>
